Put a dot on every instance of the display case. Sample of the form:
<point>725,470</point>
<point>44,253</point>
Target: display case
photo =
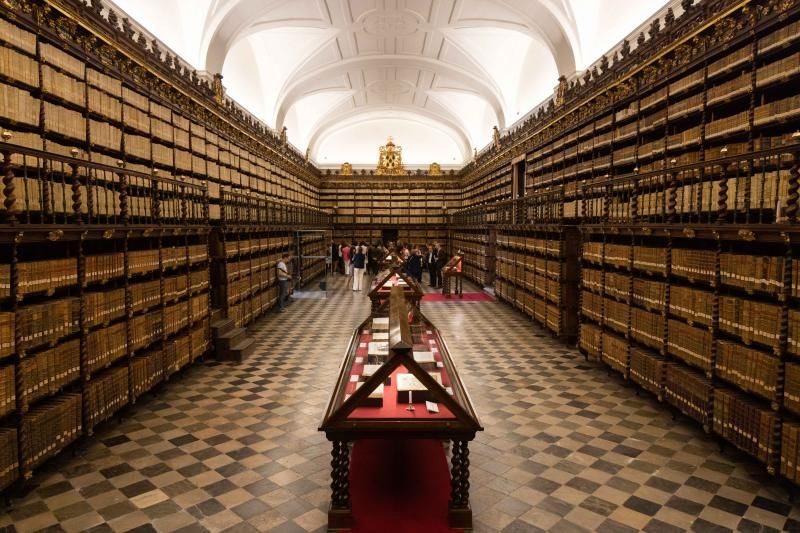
<point>452,277</point>
<point>398,381</point>
<point>391,277</point>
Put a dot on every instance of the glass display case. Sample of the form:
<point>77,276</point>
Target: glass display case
<point>391,277</point>
<point>452,277</point>
<point>398,381</point>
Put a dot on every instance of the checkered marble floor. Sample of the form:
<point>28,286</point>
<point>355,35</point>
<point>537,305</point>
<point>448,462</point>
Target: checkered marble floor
<point>235,447</point>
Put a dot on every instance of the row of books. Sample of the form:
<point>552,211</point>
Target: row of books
<point>548,310</point>
<point>752,370</point>
<point>49,371</point>
<point>106,345</point>
<point>614,352</point>
<point>747,425</point>
<point>8,394</point>
<point>254,245</point>
<point>47,322</point>
<point>752,321</point>
<point>106,394</point>
<point>531,244</point>
<point>39,276</point>
<point>51,426</point>
<point>19,67</point>
<point>248,309</point>
<point>9,457</point>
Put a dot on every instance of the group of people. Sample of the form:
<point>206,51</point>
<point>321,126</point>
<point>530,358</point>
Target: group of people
<point>419,258</point>
<point>353,259</point>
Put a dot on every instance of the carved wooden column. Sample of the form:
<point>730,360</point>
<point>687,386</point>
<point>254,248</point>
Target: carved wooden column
<point>672,194</point>
<point>722,199</point>
<point>340,514</point>
<point>10,200</point>
<point>76,190</point>
<point>794,185</point>
<point>460,513</point>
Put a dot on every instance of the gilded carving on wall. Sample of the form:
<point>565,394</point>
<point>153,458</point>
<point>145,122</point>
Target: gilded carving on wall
<point>347,169</point>
<point>390,160</point>
<point>435,170</point>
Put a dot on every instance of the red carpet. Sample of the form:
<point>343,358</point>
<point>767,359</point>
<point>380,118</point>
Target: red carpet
<point>399,486</point>
<point>468,297</point>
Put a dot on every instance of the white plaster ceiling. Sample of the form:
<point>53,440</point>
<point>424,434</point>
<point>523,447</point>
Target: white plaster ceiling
<point>437,74</point>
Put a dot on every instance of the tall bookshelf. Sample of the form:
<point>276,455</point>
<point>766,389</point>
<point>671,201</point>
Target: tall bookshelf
<point>678,165</point>
<point>101,300</point>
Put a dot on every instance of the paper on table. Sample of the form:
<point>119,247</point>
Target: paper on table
<point>359,360</point>
<point>381,336</point>
<point>362,345</point>
<point>370,370</point>
<point>354,378</point>
<point>378,348</point>
<point>423,357</point>
<point>432,407</point>
<point>409,382</point>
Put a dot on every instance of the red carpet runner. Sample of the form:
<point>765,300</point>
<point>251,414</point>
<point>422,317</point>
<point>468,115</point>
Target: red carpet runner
<point>468,297</point>
<point>399,486</point>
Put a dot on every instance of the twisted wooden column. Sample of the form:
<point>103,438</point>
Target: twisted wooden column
<point>722,201</point>
<point>672,196</point>
<point>10,202</point>
<point>459,475</point>
<point>794,185</point>
<point>76,194</point>
<point>340,475</point>
<point>123,197</point>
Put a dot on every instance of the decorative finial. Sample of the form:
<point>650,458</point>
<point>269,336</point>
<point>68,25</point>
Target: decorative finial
<point>7,135</point>
<point>74,152</point>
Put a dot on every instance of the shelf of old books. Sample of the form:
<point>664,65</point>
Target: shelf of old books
<point>244,270</point>
<point>100,300</point>
<point>704,323</point>
<point>538,271</point>
<point>477,248</point>
<point>737,92</point>
<point>398,381</point>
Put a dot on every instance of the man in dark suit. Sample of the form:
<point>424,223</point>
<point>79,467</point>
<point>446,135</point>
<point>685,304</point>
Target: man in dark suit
<point>431,259</point>
<point>335,258</point>
<point>441,261</point>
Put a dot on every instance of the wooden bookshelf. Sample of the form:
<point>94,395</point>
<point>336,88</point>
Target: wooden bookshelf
<point>678,166</point>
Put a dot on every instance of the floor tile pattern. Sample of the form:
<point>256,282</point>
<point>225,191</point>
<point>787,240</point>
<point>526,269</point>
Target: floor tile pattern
<point>235,447</point>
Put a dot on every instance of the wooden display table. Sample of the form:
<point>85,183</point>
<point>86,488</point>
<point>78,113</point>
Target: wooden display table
<point>398,381</point>
<point>388,279</point>
<point>453,278</point>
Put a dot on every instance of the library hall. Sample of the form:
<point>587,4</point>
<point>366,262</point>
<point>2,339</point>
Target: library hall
<point>399,266</point>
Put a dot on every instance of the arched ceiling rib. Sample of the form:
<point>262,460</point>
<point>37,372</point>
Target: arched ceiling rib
<point>458,67</point>
<point>392,53</point>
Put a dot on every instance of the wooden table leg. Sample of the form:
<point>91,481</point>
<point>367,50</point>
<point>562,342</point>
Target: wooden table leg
<point>340,514</point>
<point>459,514</point>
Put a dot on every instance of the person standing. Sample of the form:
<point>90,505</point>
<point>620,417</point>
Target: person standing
<point>441,261</point>
<point>433,258</point>
<point>359,262</point>
<point>414,265</point>
<point>346,257</point>
<point>374,258</point>
<point>334,258</point>
<point>283,282</point>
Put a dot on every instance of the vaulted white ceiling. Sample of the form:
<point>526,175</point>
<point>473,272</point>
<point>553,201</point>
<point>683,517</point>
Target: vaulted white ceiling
<point>436,74</point>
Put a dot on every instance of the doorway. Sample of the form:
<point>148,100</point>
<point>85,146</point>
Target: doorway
<point>389,235</point>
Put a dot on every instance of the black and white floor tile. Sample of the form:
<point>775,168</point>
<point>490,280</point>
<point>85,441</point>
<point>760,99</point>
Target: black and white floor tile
<point>235,447</point>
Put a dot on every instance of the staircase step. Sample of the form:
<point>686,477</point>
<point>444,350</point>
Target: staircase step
<point>225,341</point>
<point>222,326</point>
<point>243,350</point>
